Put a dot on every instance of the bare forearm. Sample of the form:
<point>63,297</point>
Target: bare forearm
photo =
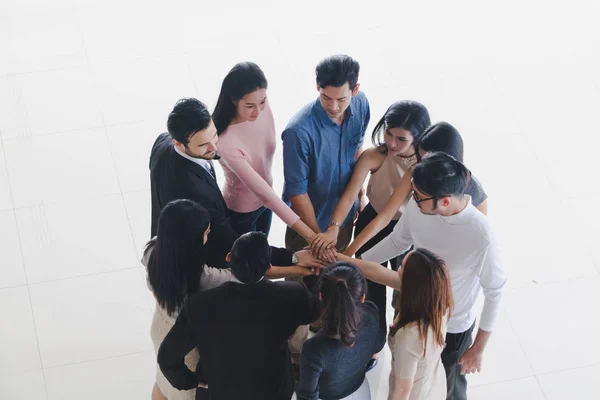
<point>481,340</point>
<point>302,206</point>
<point>304,230</point>
<point>284,272</point>
<point>372,229</point>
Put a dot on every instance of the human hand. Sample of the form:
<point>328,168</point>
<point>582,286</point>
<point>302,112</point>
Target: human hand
<point>307,260</point>
<point>470,362</point>
<point>322,242</point>
<point>203,385</point>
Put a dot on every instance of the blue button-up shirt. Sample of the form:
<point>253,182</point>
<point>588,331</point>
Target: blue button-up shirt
<point>319,155</point>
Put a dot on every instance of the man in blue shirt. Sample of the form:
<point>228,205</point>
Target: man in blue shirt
<point>320,147</point>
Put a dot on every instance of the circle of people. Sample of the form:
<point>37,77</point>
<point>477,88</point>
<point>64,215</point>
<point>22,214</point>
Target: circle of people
<point>223,329</point>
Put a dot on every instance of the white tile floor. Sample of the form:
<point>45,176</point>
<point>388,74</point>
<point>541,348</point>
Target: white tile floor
<point>85,87</point>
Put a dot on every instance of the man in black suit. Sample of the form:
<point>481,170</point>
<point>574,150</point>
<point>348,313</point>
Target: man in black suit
<point>181,168</point>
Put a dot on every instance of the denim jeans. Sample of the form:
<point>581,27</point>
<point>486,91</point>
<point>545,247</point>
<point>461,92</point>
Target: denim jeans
<point>254,221</point>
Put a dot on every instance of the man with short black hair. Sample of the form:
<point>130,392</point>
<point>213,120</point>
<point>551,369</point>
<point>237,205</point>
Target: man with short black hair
<point>241,330</point>
<point>181,168</point>
<point>320,147</point>
<point>441,218</point>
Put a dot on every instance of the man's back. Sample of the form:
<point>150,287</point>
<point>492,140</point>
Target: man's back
<point>242,333</point>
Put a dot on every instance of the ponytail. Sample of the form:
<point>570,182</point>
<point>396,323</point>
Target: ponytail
<point>342,287</point>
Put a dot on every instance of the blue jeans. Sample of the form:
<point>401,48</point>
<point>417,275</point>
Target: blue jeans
<point>254,221</point>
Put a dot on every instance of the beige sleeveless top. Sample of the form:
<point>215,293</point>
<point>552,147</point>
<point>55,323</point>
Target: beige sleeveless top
<point>383,181</point>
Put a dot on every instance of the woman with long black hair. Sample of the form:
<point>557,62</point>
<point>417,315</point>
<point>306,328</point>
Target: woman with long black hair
<point>247,142</point>
<point>175,261</point>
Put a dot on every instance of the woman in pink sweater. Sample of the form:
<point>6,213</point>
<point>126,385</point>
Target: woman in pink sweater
<point>246,130</point>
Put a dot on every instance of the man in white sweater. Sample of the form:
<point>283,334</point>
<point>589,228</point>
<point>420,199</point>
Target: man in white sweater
<point>442,219</point>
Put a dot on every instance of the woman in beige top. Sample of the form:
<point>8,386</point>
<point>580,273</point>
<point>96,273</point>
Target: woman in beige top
<point>417,335</point>
<point>396,137</point>
<point>175,263</point>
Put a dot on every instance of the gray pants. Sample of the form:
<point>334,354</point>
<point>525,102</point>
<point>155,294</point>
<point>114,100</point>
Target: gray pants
<point>295,242</point>
<point>456,345</point>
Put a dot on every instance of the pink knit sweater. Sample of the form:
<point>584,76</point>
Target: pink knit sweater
<point>246,151</point>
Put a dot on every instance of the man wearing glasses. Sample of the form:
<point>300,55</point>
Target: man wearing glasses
<point>442,219</point>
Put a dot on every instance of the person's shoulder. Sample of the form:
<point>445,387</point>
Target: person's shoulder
<point>301,122</point>
<point>370,308</point>
<point>289,288</point>
<point>361,97</point>
<point>162,145</point>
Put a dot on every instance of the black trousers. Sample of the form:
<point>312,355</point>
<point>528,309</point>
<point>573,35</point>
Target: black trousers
<point>456,345</point>
<point>376,292</point>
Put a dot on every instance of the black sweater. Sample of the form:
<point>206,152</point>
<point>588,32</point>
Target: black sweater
<point>329,369</point>
<point>241,332</point>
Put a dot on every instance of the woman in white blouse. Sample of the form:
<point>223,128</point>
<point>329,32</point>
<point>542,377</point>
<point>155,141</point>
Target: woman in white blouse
<point>175,263</point>
<point>417,336</point>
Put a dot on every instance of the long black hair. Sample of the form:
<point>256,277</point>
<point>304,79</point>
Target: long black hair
<point>445,138</point>
<point>342,287</point>
<point>244,78</point>
<point>407,114</point>
<point>176,261</point>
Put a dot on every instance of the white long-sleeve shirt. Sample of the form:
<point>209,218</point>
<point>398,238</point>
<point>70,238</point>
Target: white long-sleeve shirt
<point>466,243</point>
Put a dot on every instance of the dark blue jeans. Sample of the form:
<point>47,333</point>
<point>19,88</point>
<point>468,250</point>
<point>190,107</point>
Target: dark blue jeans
<point>254,221</point>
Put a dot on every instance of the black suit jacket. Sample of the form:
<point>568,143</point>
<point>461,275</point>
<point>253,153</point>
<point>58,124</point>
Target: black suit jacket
<point>241,332</point>
<point>174,177</point>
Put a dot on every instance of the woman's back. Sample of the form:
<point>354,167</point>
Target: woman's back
<point>331,370</point>
<point>409,362</point>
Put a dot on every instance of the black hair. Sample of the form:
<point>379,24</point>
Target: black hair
<point>242,79</point>
<point>439,175</point>
<point>342,287</point>
<point>250,257</point>
<point>407,114</point>
<point>177,256</point>
<point>445,138</point>
<point>188,117</point>
<point>337,70</point>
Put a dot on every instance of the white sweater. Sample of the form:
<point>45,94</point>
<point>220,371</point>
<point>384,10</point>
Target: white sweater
<point>466,243</point>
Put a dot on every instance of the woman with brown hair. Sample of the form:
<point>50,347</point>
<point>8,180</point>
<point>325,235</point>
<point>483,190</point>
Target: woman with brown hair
<point>417,336</point>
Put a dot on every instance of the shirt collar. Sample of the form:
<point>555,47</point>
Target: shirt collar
<point>203,163</point>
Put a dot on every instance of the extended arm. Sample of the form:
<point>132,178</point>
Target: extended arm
<point>399,196</point>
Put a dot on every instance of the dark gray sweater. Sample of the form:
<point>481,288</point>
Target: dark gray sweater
<point>329,369</point>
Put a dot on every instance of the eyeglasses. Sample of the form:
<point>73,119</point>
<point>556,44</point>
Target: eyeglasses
<point>417,200</point>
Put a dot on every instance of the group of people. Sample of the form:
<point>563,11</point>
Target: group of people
<point>223,330</point>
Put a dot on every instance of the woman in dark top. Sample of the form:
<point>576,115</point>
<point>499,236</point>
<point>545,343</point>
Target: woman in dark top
<point>334,361</point>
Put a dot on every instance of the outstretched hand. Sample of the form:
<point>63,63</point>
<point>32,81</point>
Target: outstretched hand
<point>323,246</point>
<point>307,260</point>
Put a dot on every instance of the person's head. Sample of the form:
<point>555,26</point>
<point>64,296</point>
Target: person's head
<point>337,83</point>
<point>250,257</point>
<point>425,296</point>
<point>439,182</point>
<point>243,96</point>
<point>177,258</point>
<point>401,127</point>
<point>192,129</point>
<point>342,288</point>
<point>442,137</point>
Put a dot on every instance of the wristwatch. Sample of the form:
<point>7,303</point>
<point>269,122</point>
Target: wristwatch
<point>333,224</point>
<point>295,259</point>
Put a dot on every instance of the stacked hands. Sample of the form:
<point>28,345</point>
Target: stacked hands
<point>320,253</point>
